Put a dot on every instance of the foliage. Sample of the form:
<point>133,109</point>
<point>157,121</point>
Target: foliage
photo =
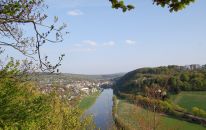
<point>23,106</point>
<point>199,112</point>
<point>16,16</point>
<point>149,103</point>
<point>172,78</point>
<point>120,4</point>
<point>173,5</point>
<point>204,67</point>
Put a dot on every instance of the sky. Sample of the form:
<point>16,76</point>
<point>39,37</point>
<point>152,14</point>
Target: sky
<point>104,41</point>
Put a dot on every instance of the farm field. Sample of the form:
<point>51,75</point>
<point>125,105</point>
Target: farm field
<point>132,115</point>
<point>188,100</point>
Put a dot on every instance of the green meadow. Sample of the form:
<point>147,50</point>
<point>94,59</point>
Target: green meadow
<point>133,115</point>
<point>188,100</point>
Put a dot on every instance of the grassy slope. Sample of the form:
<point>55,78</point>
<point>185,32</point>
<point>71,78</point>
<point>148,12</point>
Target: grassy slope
<point>132,114</point>
<point>88,101</point>
<point>181,125</point>
<point>190,99</point>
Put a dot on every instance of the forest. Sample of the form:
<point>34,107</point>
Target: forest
<point>172,79</point>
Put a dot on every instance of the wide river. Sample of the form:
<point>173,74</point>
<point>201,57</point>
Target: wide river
<point>102,110</point>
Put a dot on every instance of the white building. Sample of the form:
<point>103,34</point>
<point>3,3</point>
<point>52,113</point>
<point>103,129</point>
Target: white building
<point>86,90</point>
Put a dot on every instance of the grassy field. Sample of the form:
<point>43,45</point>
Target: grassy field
<point>136,117</point>
<point>189,100</point>
<point>88,101</point>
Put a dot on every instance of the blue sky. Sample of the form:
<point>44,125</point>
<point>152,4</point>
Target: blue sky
<point>103,40</point>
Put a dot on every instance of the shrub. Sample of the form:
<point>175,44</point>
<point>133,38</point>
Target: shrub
<point>23,106</point>
<point>199,112</point>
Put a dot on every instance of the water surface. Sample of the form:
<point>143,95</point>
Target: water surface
<point>102,110</point>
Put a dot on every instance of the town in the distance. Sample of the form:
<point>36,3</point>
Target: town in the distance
<point>78,85</point>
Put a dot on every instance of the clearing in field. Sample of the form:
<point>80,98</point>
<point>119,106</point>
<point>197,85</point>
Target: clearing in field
<point>188,100</point>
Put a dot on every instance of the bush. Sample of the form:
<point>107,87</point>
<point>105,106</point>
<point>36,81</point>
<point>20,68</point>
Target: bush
<point>199,112</point>
<point>23,106</point>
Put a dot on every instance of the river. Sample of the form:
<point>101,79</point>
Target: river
<point>102,110</point>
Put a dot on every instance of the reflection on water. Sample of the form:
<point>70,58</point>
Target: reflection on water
<point>102,110</point>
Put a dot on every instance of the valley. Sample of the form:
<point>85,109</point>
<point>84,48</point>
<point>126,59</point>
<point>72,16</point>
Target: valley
<point>146,108</point>
<point>102,65</point>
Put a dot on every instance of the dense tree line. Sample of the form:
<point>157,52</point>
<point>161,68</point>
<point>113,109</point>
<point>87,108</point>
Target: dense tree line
<point>171,78</point>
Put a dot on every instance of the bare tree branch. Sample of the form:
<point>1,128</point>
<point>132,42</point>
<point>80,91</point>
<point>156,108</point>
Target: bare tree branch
<point>15,15</point>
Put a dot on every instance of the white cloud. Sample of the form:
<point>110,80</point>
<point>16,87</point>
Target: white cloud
<point>89,42</point>
<point>110,43</point>
<point>83,50</point>
<point>90,45</point>
<point>130,42</point>
<point>78,45</point>
<point>75,12</point>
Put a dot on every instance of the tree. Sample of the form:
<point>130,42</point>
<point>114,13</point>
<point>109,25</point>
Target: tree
<point>120,4</point>
<point>173,5</point>
<point>16,16</point>
<point>204,67</point>
<point>184,77</point>
<point>24,106</point>
<point>174,85</point>
<point>199,112</point>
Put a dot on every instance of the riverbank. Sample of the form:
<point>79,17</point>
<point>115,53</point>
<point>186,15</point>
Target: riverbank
<point>88,101</point>
<point>132,117</point>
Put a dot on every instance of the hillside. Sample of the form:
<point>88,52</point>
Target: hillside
<point>68,76</point>
<point>171,78</point>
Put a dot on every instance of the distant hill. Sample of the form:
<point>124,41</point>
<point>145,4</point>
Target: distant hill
<point>171,78</point>
<point>95,77</point>
<point>69,77</point>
